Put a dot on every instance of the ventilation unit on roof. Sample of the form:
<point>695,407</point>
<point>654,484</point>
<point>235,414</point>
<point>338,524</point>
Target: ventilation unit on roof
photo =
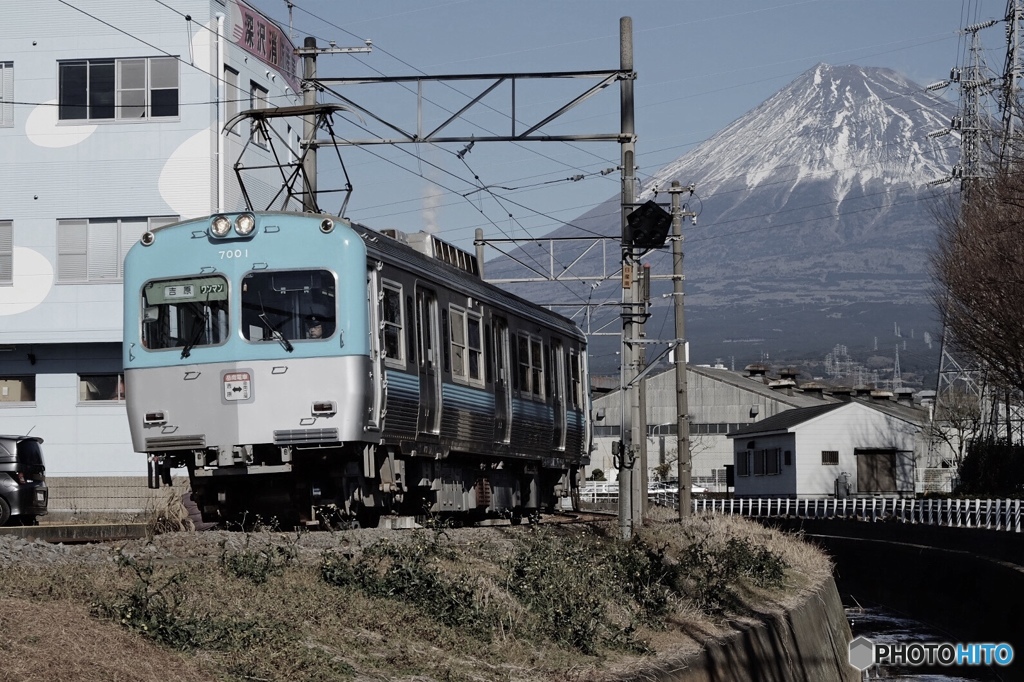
<point>429,245</point>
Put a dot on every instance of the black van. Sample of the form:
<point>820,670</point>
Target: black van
<point>23,493</point>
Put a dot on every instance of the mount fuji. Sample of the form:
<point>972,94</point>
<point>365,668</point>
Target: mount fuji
<point>814,227</point>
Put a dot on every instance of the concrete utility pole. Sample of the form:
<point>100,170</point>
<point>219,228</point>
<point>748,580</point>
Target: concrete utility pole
<point>308,52</point>
<point>629,478</point>
<point>309,203</point>
<point>684,465</point>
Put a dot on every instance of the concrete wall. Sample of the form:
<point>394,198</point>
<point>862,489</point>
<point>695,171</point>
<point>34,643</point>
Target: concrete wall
<point>808,643</point>
<point>107,498</point>
<point>964,581</point>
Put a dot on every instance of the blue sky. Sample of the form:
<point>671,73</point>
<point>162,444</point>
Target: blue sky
<point>700,65</point>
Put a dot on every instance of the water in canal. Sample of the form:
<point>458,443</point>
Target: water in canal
<point>885,627</point>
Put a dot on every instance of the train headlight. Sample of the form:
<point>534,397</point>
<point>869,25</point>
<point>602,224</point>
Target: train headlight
<point>220,226</point>
<point>245,223</point>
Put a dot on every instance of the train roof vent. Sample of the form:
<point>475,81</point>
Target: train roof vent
<point>443,251</point>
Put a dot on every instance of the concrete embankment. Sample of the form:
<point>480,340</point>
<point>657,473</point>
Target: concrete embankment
<point>966,582</point>
<point>809,642</point>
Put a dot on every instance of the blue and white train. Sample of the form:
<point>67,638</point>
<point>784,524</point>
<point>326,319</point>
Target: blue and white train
<point>303,367</point>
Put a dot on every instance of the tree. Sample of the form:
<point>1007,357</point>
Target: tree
<point>978,269</point>
<point>957,422</point>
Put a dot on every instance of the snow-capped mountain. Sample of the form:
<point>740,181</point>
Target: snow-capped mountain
<point>815,220</point>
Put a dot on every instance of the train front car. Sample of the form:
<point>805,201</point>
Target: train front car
<point>246,357</point>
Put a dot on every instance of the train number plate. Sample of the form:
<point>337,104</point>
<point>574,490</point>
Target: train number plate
<point>237,386</point>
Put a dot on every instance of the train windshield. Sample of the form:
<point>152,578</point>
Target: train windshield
<point>184,313</point>
<point>290,305</point>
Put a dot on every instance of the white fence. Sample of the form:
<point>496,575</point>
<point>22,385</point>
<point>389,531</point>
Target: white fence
<point>955,513</point>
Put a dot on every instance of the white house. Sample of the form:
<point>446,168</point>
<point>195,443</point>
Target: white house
<point>857,447</point>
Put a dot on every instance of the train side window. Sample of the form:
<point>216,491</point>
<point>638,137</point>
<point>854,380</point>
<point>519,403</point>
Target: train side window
<point>473,343</point>
<point>537,368</point>
<point>489,356</point>
<point>575,393</point>
<point>523,373</point>
<point>552,365</point>
<point>458,343</point>
<point>446,348</point>
<point>393,323</point>
<point>466,346</point>
<point>411,331</point>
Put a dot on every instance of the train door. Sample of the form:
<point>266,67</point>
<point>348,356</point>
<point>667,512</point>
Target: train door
<point>558,393</point>
<point>502,392</point>
<point>429,353</point>
<point>374,301</point>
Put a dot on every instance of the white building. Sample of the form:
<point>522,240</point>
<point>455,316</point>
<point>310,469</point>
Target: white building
<point>859,447</point>
<point>719,401</point>
<point>111,122</point>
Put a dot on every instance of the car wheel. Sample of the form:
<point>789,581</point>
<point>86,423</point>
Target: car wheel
<point>5,512</point>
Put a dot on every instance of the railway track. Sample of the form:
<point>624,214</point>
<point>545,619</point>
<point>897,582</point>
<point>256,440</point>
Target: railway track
<point>81,533</point>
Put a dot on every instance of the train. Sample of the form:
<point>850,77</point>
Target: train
<point>308,369</point>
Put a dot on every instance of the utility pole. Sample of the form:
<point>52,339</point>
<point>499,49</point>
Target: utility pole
<point>308,52</point>
<point>630,428</point>
<point>309,203</point>
<point>684,465</point>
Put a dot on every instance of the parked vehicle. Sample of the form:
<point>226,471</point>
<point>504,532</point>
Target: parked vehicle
<point>23,492</point>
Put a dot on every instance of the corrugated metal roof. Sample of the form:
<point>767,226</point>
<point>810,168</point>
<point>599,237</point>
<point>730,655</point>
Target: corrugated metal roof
<point>786,420</point>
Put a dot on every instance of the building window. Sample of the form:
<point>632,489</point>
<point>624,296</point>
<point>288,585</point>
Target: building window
<point>232,95</point>
<point>93,250</point>
<point>829,457</point>
<point>257,100</point>
<point>6,252</point>
<point>772,463</point>
<point>391,302</point>
<point>17,389</point>
<point>6,94</point>
<point>118,89</point>
<point>467,342</point>
<point>100,388</point>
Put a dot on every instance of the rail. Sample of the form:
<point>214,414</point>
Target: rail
<point>991,514</point>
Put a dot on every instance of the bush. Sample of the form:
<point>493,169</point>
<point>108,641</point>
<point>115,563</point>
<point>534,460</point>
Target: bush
<point>713,569</point>
<point>153,607</point>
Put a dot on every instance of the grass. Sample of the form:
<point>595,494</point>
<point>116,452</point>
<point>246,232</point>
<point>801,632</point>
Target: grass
<point>513,604</point>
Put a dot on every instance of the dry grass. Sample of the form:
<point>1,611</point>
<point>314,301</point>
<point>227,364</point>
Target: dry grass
<point>67,619</point>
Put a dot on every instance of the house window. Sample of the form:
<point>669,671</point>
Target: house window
<point>829,457</point>
<point>531,365</point>
<point>257,100</point>
<point>100,388</point>
<point>232,94</point>
<point>118,89</point>
<point>17,389</point>
<point>6,252</point>
<point>743,463</point>
<point>772,463</point>
<point>93,250</point>
<point>6,94</point>
<point>391,302</point>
